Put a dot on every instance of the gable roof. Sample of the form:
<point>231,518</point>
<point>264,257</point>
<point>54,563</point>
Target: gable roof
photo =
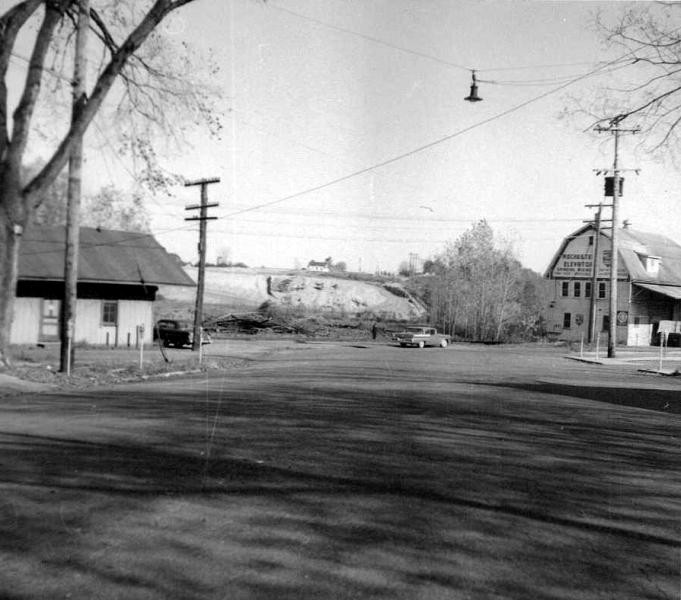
<point>105,256</point>
<point>632,245</point>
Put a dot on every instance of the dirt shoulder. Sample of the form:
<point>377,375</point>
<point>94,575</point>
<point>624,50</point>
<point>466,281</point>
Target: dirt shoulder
<point>36,369</point>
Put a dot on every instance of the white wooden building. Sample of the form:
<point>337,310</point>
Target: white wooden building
<point>118,276</point>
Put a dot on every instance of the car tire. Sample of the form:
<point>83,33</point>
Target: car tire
<point>443,343</point>
<point>403,345</point>
<point>422,344</point>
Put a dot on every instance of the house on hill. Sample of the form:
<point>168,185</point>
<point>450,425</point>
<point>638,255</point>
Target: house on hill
<point>319,267</point>
<point>118,275</point>
<point>648,286</point>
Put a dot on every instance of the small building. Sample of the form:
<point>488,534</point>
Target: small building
<point>320,267</point>
<point>118,276</point>
<point>648,286</point>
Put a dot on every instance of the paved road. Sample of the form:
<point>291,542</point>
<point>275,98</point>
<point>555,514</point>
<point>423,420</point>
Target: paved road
<point>350,471</point>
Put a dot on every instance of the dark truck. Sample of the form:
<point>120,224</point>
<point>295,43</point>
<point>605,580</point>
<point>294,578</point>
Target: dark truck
<point>173,332</point>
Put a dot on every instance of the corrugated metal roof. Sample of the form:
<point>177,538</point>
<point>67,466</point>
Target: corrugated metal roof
<point>105,256</point>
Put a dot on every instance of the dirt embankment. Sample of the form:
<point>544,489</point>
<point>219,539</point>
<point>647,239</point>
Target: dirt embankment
<point>248,289</point>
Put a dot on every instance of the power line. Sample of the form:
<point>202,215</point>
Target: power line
<point>425,146</point>
<point>424,54</point>
<point>371,39</point>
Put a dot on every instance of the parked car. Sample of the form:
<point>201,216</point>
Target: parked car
<point>173,332</point>
<point>421,337</point>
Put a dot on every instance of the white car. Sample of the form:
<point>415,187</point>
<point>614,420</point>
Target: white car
<point>422,337</point>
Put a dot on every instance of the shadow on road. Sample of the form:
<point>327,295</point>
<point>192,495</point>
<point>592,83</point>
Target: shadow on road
<point>662,400</point>
<point>301,491</point>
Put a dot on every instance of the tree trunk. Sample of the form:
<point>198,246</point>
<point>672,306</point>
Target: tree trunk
<point>10,234</point>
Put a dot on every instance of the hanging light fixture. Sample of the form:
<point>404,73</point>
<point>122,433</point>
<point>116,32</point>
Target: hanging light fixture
<point>473,96</point>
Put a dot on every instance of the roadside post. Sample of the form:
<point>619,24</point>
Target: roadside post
<point>69,345</point>
<point>598,343</point>
<point>200,345</point>
<point>140,336</point>
<point>581,346</point>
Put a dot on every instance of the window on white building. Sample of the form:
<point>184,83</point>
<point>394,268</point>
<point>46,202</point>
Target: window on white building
<point>587,289</point>
<point>567,317</point>
<point>578,289</point>
<point>109,312</point>
<point>602,291</point>
<point>565,291</point>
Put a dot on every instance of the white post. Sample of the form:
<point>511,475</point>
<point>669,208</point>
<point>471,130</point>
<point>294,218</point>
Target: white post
<point>200,345</point>
<point>140,336</point>
<point>68,356</point>
<point>581,346</point>
<point>598,343</point>
<point>69,328</point>
<point>661,348</point>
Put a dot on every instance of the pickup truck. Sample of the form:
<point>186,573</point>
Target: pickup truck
<point>421,337</point>
<point>177,333</point>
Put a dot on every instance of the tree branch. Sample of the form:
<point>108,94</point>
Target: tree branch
<point>26,107</point>
<point>10,25</point>
<point>156,14</point>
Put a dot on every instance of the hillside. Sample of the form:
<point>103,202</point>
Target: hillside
<point>234,289</point>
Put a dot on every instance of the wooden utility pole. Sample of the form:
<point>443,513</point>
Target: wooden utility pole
<point>70,299</point>
<point>616,130</point>
<point>594,274</point>
<point>202,218</point>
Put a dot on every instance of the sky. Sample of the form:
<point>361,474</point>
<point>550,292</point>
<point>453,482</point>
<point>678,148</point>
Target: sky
<point>346,133</point>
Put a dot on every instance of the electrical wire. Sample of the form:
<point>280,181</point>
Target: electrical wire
<point>371,39</point>
<point>427,146</point>
<point>426,55</point>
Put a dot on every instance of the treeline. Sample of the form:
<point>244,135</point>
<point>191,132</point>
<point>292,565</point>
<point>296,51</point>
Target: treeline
<point>477,290</point>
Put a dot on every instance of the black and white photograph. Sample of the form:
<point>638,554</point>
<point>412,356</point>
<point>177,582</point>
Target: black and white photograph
<point>340,299</point>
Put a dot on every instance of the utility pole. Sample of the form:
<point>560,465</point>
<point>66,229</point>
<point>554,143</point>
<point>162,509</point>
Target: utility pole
<point>70,299</point>
<point>202,218</point>
<point>616,130</point>
<point>594,272</point>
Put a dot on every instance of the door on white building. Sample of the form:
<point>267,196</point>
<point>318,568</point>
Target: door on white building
<point>49,320</point>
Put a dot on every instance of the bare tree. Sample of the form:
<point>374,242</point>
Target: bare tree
<point>19,197</point>
<point>649,37</point>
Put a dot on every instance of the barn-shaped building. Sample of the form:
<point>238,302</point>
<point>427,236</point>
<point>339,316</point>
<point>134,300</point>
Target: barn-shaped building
<point>118,275</point>
<point>648,286</point>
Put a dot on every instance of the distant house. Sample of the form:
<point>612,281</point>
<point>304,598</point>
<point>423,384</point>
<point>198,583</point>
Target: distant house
<point>118,275</point>
<point>648,285</point>
<point>321,267</point>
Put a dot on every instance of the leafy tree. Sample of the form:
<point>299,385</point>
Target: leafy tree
<point>133,23</point>
<point>475,288</point>
<point>112,209</point>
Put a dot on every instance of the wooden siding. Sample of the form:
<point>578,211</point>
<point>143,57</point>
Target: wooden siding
<point>89,326</point>
<point>26,321</point>
<point>131,313</point>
